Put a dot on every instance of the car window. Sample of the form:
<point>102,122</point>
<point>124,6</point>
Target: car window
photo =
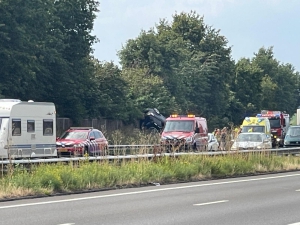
<point>82,135</point>
<point>101,135</point>
<point>92,134</point>
<point>97,134</point>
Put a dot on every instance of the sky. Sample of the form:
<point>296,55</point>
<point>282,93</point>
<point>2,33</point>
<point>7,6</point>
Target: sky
<point>247,24</point>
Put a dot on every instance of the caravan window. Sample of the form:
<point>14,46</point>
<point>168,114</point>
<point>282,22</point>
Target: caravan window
<point>30,126</point>
<point>48,127</point>
<point>16,127</point>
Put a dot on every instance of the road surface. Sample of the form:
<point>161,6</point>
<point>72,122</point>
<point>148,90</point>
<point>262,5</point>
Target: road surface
<point>267,199</point>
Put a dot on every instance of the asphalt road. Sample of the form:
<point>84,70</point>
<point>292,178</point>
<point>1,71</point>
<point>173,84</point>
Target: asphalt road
<point>268,199</point>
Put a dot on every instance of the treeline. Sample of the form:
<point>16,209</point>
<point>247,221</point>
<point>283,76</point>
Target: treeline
<point>179,66</point>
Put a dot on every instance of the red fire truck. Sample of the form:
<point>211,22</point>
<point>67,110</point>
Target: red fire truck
<point>280,122</point>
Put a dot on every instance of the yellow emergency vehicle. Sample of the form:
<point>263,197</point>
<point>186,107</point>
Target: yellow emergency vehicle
<point>256,124</point>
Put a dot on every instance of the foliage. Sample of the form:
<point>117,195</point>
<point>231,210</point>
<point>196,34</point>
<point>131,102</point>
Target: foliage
<point>45,51</point>
<point>46,179</point>
<point>182,65</point>
<point>265,83</point>
<point>192,59</point>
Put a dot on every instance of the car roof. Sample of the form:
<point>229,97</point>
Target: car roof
<point>82,129</point>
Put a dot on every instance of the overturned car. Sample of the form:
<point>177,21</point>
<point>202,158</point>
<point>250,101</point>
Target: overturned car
<point>153,120</point>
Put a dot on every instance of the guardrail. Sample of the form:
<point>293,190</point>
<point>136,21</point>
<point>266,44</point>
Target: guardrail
<point>126,155</point>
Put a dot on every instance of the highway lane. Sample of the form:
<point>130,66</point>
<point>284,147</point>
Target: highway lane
<point>267,199</point>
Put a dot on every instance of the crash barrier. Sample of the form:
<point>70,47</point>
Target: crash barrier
<point>125,148</point>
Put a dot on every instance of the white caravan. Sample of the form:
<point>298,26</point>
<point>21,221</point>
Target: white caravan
<point>27,129</point>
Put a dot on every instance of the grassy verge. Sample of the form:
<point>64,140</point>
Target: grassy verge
<point>48,179</point>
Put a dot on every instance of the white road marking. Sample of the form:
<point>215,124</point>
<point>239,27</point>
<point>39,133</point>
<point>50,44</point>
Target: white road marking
<point>67,224</point>
<point>210,203</point>
<point>298,190</point>
<point>149,191</point>
<point>294,223</point>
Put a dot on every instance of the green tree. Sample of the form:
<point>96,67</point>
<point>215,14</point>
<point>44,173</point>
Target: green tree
<point>279,84</point>
<point>147,91</point>
<point>110,95</point>
<point>192,59</point>
<point>45,49</point>
<point>247,85</point>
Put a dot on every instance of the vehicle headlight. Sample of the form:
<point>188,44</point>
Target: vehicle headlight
<point>275,136</point>
<point>278,139</point>
<point>286,142</point>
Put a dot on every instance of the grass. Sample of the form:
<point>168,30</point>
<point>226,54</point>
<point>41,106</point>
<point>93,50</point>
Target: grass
<point>48,179</point>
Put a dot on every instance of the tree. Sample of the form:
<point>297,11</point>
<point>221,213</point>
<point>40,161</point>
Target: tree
<point>280,82</point>
<point>247,85</point>
<point>191,58</point>
<point>110,95</point>
<point>147,91</point>
<point>45,49</point>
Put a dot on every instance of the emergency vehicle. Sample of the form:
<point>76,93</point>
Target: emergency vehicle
<point>256,124</point>
<point>27,129</point>
<point>184,132</point>
<point>279,122</point>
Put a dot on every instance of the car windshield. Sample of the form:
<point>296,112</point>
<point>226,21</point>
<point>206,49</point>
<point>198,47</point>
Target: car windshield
<point>249,137</point>
<point>275,123</point>
<point>246,129</point>
<point>179,125</point>
<point>294,131</point>
<point>81,135</point>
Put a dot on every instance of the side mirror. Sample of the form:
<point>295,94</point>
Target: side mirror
<point>92,138</point>
<point>57,138</point>
<point>197,130</point>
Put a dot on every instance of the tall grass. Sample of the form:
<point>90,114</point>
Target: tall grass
<point>47,179</point>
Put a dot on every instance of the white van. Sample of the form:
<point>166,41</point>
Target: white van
<point>27,129</point>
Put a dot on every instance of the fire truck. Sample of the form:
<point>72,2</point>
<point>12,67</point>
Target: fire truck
<point>280,122</point>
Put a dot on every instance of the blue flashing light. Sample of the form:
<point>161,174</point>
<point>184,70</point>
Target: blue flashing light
<point>277,115</point>
<point>258,115</point>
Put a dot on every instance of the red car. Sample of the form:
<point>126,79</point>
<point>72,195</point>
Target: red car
<point>81,141</point>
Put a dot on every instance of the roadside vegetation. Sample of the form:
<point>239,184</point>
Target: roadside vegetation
<point>50,179</point>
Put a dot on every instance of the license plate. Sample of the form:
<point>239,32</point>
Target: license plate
<point>62,150</point>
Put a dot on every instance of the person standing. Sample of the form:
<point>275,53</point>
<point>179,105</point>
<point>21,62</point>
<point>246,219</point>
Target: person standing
<point>223,139</point>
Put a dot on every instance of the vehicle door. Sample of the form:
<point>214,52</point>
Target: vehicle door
<point>3,137</point>
<point>199,135</point>
<point>93,145</point>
